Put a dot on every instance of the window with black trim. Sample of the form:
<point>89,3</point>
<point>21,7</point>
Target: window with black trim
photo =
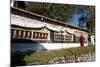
<point>68,37</point>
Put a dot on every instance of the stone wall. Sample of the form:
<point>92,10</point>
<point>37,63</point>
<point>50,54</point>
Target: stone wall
<point>86,57</point>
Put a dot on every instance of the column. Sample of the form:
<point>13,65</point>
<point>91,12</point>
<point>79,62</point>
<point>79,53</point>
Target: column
<point>23,34</point>
<point>72,37</point>
<point>26,34</point>
<point>38,35</point>
<point>32,34</point>
<point>14,35</point>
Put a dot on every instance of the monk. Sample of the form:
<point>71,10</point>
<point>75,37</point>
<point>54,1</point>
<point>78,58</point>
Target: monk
<point>82,40</point>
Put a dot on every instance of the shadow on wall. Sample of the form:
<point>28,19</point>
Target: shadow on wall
<point>21,48</point>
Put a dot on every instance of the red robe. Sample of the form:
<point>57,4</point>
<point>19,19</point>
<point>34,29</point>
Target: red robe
<point>82,40</point>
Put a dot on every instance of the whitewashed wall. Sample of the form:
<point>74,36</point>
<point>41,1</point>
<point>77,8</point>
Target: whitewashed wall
<point>53,46</point>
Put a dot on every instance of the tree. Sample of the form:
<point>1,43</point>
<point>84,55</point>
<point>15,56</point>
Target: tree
<point>53,10</point>
<point>91,19</point>
<point>20,4</point>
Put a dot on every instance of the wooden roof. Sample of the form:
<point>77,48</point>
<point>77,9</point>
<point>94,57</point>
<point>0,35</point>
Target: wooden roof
<point>47,18</point>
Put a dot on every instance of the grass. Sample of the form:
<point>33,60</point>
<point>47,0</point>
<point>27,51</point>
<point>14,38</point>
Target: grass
<point>43,57</point>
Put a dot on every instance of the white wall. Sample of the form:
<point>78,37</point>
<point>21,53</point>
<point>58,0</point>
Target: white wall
<point>53,46</point>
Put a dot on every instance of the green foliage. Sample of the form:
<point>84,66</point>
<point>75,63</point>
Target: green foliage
<point>91,19</point>
<point>56,11</point>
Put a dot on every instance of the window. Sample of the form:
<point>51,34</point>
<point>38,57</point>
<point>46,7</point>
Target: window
<point>68,37</point>
<point>14,34</point>
<point>36,35</point>
<point>77,39</point>
<point>62,37</point>
<point>21,33</point>
<point>33,35</point>
<point>40,35</point>
<point>58,37</point>
<point>24,33</point>
<point>29,34</point>
<point>45,35</point>
<point>17,32</point>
